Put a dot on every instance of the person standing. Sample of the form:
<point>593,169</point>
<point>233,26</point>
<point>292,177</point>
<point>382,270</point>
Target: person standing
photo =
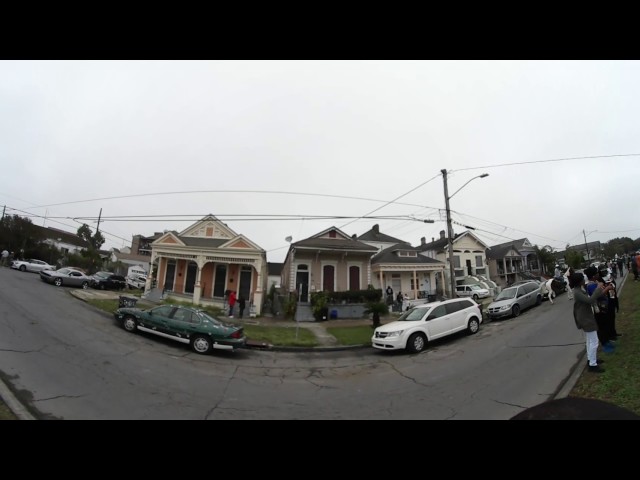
<point>600,308</point>
<point>389,295</point>
<point>241,304</point>
<point>5,256</point>
<point>232,302</point>
<point>399,301</point>
<point>585,319</point>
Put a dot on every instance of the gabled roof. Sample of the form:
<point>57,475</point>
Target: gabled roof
<point>341,242</point>
<point>274,268</point>
<point>374,235</point>
<point>443,242</point>
<point>390,255</point>
<point>60,235</point>
<point>518,244</point>
<point>500,251</point>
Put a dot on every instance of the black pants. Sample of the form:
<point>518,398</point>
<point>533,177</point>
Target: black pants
<point>604,327</point>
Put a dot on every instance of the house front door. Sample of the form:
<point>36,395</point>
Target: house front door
<point>170,275</point>
<point>302,285</point>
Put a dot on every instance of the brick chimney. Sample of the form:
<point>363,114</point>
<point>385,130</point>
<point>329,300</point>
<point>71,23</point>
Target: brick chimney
<point>376,228</point>
<point>423,241</point>
<point>441,234</point>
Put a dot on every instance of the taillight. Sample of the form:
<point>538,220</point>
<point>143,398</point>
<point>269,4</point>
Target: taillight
<point>237,334</point>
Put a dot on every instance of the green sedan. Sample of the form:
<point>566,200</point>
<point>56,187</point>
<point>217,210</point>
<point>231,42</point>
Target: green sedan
<point>183,324</point>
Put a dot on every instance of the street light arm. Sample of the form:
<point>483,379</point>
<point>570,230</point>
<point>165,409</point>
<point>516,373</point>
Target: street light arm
<point>479,176</point>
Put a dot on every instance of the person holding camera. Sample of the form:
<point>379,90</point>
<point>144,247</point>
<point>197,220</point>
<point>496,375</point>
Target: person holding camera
<point>584,317</point>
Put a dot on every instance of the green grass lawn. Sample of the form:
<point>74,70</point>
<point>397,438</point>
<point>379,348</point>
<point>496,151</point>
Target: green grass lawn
<point>620,383</point>
<point>5,413</point>
<point>281,336</point>
<point>352,335</point>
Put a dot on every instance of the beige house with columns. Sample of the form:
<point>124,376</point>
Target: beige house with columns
<point>206,260</point>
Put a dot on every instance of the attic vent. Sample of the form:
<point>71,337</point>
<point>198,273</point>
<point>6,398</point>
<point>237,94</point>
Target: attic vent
<point>332,234</point>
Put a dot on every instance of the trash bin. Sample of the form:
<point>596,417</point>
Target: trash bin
<point>334,314</point>
<point>127,302</point>
<point>431,298</point>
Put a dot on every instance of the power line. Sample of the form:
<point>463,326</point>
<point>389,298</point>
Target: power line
<point>393,201</point>
<point>547,161</point>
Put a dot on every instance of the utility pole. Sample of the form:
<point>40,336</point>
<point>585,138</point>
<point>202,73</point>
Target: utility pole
<point>452,273</point>
<point>99,216</point>
<point>3,210</point>
<point>586,248</point>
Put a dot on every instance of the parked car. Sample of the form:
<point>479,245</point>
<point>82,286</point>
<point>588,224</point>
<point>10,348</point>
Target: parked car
<point>183,324</point>
<point>66,276</point>
<point>136,281</point>
<point>108,281</point>
<point>427,322</point>
<point>512,300</point>
<point>31,265</point>
<point>473,291</point>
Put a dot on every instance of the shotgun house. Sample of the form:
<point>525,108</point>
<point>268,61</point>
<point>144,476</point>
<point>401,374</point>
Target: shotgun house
<point>329,261</point>
<point>204,261</point>
<point>399,265</point>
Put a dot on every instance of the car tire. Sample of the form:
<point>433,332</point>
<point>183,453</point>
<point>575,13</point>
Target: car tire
<point>85,285</point>
<point>201,344</point>
<point>515,310</point>
<point>416,343</point>
<point>474,325</point>
<point>57,282</point>
<point>475,297</point>
<point>538,299</point>
<point>23,268</point>
<point>129,324</point>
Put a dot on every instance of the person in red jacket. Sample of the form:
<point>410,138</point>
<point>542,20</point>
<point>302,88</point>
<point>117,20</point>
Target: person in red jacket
<point>232,302</point>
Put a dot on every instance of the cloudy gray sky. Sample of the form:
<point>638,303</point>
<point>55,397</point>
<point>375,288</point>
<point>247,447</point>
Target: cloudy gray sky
<point>298,137</point>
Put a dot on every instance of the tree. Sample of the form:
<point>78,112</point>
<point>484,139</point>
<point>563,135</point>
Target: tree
<point>573,258</point>
<point>546,257</point>
<point>91,255</point>
<point>376,309</point>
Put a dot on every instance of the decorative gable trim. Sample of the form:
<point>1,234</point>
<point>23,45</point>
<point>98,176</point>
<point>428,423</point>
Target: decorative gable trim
<point>209,227</point>
<point>169,238</point>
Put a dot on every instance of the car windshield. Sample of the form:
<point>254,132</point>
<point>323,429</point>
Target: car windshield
<point>413,315</point>
<point>103,274</point>
<point>475,287</point>
<point>507,294</point>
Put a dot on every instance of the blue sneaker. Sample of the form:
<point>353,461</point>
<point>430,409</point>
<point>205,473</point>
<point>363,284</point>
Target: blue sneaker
<point>608,348</point>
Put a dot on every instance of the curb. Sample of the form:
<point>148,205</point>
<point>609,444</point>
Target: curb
<point>13,403</point>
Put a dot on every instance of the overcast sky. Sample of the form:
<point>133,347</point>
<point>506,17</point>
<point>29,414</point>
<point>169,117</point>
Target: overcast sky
<point>74,133</point>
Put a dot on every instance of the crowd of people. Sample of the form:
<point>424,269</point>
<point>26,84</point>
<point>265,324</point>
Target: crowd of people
<point>596,305</point>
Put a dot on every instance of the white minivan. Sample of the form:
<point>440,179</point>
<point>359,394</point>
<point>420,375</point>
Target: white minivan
<point>473,291</point>
<point>427,322</point>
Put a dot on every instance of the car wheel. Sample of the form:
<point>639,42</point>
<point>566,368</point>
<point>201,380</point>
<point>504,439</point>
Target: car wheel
<point>201,344</point>
<point>475,297</point>
<point>515,311</point>
<point>85,285</point>
<point>129,324</point>
<point>416,343</point>
<point>538,300</point>
<point>23,268</point>
<point>474,325</point>
<point>57,282</point>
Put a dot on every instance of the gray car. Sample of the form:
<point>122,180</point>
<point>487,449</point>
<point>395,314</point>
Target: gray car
<point>512,300</point>
<point>68,277</point>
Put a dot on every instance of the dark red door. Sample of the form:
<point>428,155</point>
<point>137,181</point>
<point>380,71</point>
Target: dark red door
<point>354,278</point>
<point>328,273</point>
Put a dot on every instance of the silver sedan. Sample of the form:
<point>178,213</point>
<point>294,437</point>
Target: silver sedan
<point>66,276</point>
<point>31,265</point>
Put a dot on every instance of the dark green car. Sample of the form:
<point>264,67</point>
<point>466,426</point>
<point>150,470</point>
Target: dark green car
<point>184,324</point>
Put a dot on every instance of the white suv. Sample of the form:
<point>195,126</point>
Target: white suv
<point>427,322</point>
<point>473,291</point>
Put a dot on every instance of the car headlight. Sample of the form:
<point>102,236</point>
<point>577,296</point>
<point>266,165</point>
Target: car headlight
<point>505,307</point>
<point>397,333</point>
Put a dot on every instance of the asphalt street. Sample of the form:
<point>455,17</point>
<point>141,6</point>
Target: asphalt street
<point>66,360</point>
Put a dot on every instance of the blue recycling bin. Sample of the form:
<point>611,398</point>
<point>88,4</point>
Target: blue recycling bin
<point>334,314</point>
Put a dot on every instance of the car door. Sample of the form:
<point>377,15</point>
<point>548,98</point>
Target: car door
<point>456,316</point>
<point>158,318</point>
<point>180,323</point>
<point>436,322</point>
<point>74,279</point>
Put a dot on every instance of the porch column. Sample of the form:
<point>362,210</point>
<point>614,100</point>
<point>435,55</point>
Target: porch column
<point>149,282</point>
<point>258,294</point>
<point>197,288</point>
<point>415,285</point>
<point>504,266</point>
<point>381,284</point>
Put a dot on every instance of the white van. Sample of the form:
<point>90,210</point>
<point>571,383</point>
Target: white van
<point>137,270</point>
<point>427,322</point>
